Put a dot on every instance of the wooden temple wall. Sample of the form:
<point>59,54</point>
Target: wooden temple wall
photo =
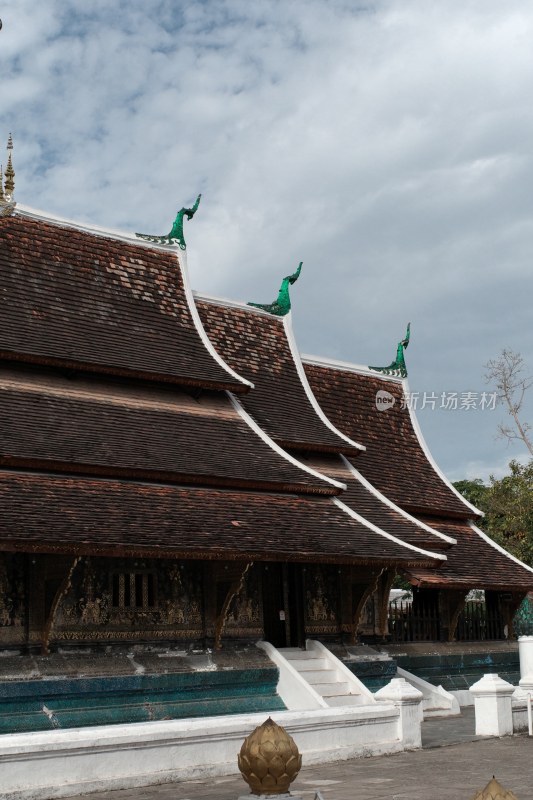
<point>51,601</point>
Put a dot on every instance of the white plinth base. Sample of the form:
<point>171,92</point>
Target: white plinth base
<point>493,705</point>
<point>59,763</point>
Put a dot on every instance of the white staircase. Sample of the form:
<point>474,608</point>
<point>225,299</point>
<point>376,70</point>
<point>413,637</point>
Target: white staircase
<point>327,675</point>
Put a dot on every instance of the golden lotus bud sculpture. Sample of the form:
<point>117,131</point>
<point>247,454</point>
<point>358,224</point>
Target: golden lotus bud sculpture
<point>269,760</point>
<point>494,791</point>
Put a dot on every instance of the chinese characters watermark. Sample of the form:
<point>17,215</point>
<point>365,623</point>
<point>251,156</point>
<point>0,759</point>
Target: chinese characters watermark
<point>448,401</point>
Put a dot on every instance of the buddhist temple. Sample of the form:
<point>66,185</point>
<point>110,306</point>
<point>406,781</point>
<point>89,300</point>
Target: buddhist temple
<point>175,474</point>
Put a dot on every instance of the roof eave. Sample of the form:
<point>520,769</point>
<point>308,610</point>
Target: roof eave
<point>153,377</point>
<point>140,551</point>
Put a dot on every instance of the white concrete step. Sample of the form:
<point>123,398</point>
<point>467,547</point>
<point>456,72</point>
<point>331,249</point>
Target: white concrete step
<point>331,689</point>
<point>314,676</point>
<point>346,700</point>
<point>303,664</point>
<point>294,652</point>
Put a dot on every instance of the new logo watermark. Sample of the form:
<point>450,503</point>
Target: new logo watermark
<point>384,400</point>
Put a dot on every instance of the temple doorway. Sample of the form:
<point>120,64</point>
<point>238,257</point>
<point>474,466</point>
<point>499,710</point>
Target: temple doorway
<point>283,605</point>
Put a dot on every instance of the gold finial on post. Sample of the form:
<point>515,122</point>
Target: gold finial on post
<point>269,760</point>
<point>494,791</point>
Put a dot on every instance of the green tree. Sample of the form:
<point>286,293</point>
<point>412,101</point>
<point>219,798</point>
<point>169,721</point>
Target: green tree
<point>474,491</point>
<point>510,510</point>
<point>508,506</point>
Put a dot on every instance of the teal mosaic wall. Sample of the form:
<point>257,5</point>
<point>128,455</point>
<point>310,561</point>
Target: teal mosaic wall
<point>461,670</point>
<point>374,674</point>
<point>80,702</point>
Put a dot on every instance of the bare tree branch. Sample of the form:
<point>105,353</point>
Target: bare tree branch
<point>506,374</point>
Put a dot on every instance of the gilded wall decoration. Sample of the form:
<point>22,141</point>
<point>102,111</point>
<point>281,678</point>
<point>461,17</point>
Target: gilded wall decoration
<point>244,611</point>
<point>180,601</point>
<point>321,596</point>
<point>94,606</point>
<point>12,595</point>
<point>127,598</point>
<point>87,601</point>
<point>142,635</point>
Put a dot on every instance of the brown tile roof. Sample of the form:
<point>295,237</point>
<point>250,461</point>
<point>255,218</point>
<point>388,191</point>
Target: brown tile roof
<point>473,563</point>
<point>375,509</point>
<point>256,346</point>
<point>77,299</point>
<point>159,434</point>
<point>78,515</point>
<point>394,461</point>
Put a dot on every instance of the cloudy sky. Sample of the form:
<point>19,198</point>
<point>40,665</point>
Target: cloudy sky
<point>387,145</point>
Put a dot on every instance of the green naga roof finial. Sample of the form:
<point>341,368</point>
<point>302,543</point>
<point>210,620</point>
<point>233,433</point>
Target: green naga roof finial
<point>282,305</point>
<point>176,233</point>
<point>397,368</point>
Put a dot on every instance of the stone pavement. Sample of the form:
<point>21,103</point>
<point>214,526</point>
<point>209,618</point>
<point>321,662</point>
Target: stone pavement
<point>453,765</point>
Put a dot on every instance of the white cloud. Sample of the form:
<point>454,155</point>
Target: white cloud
<point>481,469</point>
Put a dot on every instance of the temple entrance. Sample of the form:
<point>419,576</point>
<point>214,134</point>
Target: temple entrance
<point>283,605</point>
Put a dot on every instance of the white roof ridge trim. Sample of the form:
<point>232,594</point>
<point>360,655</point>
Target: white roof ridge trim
<point>498,547</point>
<point>229,303</point>
<point>422,442</point>
<point>287,324</point>
<point>208,344</point>
<point>375,529</point>
<point>332,363</point>
<point>277,449</point>
<point>384,499</point>
<point>88,227</point>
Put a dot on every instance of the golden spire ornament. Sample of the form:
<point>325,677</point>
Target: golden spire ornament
<point>494,791</point>
<point>269,760</point>
<point>9,186</point>
<point>7,183</point>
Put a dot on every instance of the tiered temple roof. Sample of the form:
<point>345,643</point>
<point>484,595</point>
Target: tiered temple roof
<point>398,463</point>
<point>476,561</point>
<point>261,348</point>
<point>363,498</point>
<point>75,515</point>
<point>395,461</point>
<point>138,421</point>
<point>99,427</point>
<point>109,378</point>
<point>92,302</point>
